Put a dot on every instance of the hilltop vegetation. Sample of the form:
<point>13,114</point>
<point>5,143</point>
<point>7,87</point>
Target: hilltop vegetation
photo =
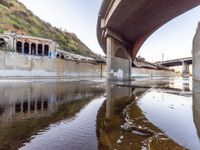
<point>15,17</point>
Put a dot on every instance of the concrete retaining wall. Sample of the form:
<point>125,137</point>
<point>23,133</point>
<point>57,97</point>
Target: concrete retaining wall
<point>17,65</point>
<point>143,72</point>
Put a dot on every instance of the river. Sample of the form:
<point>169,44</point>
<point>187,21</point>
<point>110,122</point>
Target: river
<point>91,114</point>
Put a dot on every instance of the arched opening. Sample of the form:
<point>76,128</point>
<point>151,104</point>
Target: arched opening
<point>40,49</point>
<point>2,42</point>
<point>26,48</point>
<point>62,57</point>
<point>46,50</point>
<point>121,52</point>
<point>33,49</point>
<point>57,55</point>
<point>19,47</point>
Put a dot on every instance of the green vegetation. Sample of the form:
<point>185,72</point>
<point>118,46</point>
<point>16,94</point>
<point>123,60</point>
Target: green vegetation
<point>15,17</point>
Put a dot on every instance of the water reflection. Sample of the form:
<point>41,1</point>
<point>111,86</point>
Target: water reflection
<point>115,93</point>
<point>74,115</point>
<point>27,109</point>
<point>161,117</point>
<point>196,105</point>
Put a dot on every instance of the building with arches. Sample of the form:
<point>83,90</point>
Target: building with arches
<point>29,45</point>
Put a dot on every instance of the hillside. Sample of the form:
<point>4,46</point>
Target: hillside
<point>15,17</point>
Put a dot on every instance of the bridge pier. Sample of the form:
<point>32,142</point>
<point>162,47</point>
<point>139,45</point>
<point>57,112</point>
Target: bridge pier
<point>118,60</point>
<point>196,55</point>
<point>185,69</point>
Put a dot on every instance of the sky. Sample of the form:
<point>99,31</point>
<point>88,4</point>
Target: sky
<point>173,40</point>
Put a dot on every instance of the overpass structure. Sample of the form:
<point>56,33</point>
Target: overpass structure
<point>124,25</point>
<point>184,62</point>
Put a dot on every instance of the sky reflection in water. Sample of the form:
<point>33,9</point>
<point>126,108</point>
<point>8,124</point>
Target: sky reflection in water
<point>173,114</point>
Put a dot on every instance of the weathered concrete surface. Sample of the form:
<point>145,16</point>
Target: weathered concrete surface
<point>14,65</point>
<point>196,55</point>
<point>143,72</point>
<point>118,68</point>
<point>196,106</point>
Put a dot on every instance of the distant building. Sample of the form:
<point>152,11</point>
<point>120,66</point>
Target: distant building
<point>28,44</point>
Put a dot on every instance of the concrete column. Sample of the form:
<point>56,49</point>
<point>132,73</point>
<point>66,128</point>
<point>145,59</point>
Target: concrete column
<point>36,49</point>
<point>42,49</point>
<point>196,55</point>
<point>185,69</point>
<point>110,52</point>
<point>30,48</point>
<point>117,68</point>
<point>22,47</point>
<point>15,45</point>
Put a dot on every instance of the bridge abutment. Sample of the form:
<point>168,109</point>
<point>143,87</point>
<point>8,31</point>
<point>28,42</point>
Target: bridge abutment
<point>118,61</point>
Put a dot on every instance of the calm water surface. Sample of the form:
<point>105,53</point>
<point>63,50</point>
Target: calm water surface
<point>159,113</point>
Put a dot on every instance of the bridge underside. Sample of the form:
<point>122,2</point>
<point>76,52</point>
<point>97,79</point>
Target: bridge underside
<point>132,22</point>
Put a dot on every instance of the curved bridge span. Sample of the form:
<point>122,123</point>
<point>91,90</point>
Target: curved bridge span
<point>124,25</point>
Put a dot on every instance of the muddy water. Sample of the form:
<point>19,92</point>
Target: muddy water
<point>158,113</point>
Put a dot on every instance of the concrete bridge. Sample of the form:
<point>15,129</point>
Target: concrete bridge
<point>124,25</point>
<point>184,62</point>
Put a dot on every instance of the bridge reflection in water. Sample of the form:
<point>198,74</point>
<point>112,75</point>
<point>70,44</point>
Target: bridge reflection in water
<point>138,118</point>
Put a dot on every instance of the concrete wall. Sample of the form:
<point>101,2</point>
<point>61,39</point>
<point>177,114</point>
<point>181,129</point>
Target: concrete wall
<point>18,65</point>
<point>120,68</point>
<point>196,55</point>
<point>143,72</point>
<point>13,64</point>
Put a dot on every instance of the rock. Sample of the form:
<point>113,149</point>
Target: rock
<point>119,141</point>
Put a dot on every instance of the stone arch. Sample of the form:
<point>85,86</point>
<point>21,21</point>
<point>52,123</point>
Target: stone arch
<point>57,55</point>
<point>19,47</point>
<point>33,49</point>
<point>40,48</point>
<point>46,50</point>
<point>121,52</point>
<point>26,48</point>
